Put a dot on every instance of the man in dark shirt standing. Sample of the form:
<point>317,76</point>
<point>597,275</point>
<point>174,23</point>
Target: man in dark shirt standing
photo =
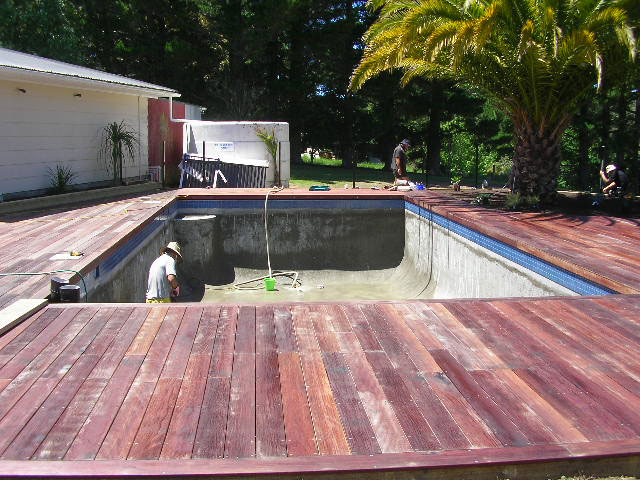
<point>399,161</point>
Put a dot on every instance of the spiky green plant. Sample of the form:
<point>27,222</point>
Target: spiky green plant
<point>60,178</point>
<point>534,58</point>
<point>117,145</point>
<point>271,143</point>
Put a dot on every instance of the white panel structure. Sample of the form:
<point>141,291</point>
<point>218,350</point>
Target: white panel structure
<point>237,142</point>
<point>46,126</point>
<point>53,113</point>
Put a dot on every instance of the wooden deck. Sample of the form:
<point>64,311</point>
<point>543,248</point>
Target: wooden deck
<point>28,242</point>
<point>319,388</point>
<point>519,388</point>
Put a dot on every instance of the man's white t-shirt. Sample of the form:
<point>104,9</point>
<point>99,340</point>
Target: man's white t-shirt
<point>158,286</point>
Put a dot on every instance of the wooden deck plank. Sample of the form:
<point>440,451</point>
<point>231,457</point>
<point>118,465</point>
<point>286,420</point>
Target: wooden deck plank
<point>212,425</point>
<point>241,421</point>
<point>360,434</point>
<point>246,330</point>
<point>594,423</point>
<point>382,418</point>
<point>562,429</point>
<point>112,358</point>
<point>59,439</point>
<point>503,428</point>
<point>474,427</point>
<point>391,344</point>
<point>285,336</point>
<point>45,418</point>
<point>519,412</point>
<point>297,416</point>
<point>483,358</point>
<point>45,344</point>
<point>151,434</point>
<point>330,436</point>
<point>124,428</point>
<point>42,378</point>
<point>270,435</point>
<point>338,318</point>
<point>271,440</point>
<point>361,328</point>
<point>18,337</point>
<point>322,320</point>
<point>303,327</point>
<point>181,434</point>
<point>222,360</point>
<point>417,430</point>
<point>416,351</point>
<point>89,439</point>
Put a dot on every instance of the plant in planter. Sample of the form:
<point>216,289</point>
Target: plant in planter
<point>60,178</point>
<point>271,142</point>
<point>117,144</point>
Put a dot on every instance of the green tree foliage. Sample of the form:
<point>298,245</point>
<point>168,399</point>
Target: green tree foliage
<point>290,60</point>
<point>534,59</point>
<point>42,27</point>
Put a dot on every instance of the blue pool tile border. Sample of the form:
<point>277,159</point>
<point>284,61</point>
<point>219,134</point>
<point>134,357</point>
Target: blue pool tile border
<point>121,253</point>
<point>291,203</point>
<point>563,277</point>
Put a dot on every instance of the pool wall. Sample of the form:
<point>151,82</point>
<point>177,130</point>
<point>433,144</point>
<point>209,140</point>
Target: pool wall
<point>460,268</point>
<point>434,256</point>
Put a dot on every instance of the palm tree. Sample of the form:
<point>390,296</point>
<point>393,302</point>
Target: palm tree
<point>117,144</point>
<point>534,58</point>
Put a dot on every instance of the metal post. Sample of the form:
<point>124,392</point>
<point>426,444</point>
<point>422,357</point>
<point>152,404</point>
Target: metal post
<point>426,173</point>
<point>353,170</point>
<point>476,165</point>
<point>204,159</point>
<point>164,163</point>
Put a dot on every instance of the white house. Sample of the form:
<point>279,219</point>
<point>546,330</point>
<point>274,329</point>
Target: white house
<point>52,113</point>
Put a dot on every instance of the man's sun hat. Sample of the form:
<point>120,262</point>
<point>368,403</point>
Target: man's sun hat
<point>174,247</point>
<point>610,168</point>
<point>406,142</point>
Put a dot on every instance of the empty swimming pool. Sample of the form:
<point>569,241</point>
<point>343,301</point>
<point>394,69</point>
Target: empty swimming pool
<point>340,250</point>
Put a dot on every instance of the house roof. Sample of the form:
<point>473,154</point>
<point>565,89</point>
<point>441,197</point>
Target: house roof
<point>28,68</point>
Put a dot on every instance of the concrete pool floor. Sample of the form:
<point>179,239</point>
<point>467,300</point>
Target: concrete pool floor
<point>519,388</point>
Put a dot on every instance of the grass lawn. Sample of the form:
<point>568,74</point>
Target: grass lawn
<point>367,176</point>
<point>326,171</point>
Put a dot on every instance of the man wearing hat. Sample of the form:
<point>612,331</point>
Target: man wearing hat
<point>162,284</point>
<point>399,161</point>
<point>615,179</point>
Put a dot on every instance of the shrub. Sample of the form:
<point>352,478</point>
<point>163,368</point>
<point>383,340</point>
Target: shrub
<point>516,201</point>
<point>60,178</point>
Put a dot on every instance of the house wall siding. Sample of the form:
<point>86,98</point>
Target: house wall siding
<point>47,126</point>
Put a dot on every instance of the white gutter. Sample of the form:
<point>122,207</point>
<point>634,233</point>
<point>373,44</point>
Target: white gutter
<point>175,120</point>
<point>13,74</point>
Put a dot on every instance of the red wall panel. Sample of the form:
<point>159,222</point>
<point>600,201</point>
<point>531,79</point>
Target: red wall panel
<point>161,128</point>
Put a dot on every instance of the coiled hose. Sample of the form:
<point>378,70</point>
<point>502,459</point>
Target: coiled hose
<point>84,285</point>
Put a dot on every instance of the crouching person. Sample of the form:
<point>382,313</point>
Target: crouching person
<point>162,284</point>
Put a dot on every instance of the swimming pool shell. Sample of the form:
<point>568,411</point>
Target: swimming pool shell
<point>342,250</point>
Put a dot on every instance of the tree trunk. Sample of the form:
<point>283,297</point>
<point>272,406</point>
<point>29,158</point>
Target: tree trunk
<point>536,164</point>
<point>621,131</point>
<point>634,161</point>
<point>605,128</point>
<point>584,142</point>
<point>434,132</point>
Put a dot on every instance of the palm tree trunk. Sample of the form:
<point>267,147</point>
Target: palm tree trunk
<point>536,164</point>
